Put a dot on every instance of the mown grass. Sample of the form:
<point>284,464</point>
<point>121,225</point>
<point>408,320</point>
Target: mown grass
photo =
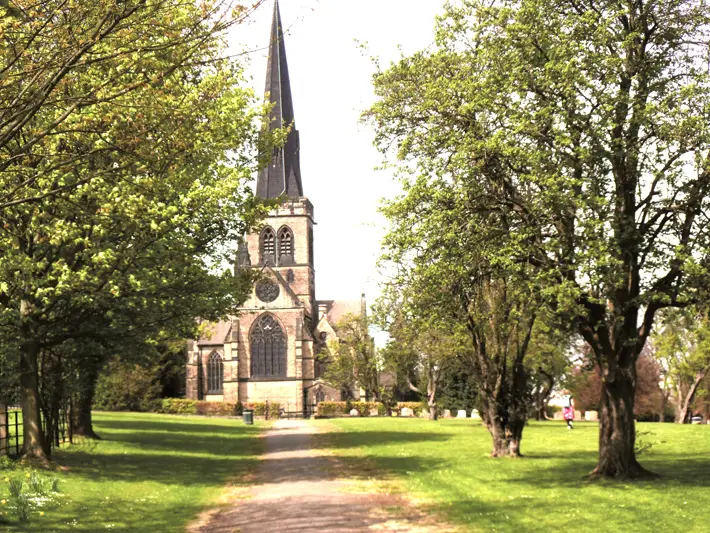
<point>150,473</point>
<point>446,465</point>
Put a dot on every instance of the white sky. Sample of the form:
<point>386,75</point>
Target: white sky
<point>331,85</point>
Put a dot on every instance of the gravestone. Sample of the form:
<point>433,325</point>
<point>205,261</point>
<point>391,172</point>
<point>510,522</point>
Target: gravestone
<point>447,413</point>
<point>475,414</point>
<point>354,412</point>
<point>591,416</point>
<point>578,415</point>
<point>374,412</point>
<point>406,411</point>
<point>461,414</point>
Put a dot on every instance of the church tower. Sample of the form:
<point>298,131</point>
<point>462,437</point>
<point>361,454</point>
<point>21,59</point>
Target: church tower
<point>267,352</point>
<point>285,242</point>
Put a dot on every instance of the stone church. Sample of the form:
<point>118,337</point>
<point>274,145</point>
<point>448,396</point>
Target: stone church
<point>268,351</point>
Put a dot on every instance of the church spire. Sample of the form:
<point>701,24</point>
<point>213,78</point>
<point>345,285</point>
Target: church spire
<point>282,176</point>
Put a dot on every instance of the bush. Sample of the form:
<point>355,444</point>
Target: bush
<point>331,409</point>
<point>364,408</point>
<point>127,387</point>
<point>335,409</point>
<point>259,409</point>
<point>176,406</point>
<point>416,407</point>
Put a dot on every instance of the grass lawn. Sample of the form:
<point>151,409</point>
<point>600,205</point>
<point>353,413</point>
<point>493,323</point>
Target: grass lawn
<point>151,473</point>
<point>446,465</point>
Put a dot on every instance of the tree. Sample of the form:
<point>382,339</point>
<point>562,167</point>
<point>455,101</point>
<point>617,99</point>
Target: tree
<point>451,266</point>
<point>127,178</point>
<point>683,348</point>
<point>352,363</point>
<point>584,123</point>
<point>67,68</point>
<point>547,364</point>
<point>419,350</point>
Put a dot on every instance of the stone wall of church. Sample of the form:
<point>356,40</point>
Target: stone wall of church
<point>289,394</point>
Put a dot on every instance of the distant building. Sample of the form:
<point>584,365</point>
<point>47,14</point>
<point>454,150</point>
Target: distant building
<point>268,352</point>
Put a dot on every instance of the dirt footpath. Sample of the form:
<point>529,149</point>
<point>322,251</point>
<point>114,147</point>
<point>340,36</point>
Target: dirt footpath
<point>297,490</point>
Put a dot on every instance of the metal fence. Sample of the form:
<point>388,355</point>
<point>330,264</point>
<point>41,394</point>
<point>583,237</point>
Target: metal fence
<point>12,431</point>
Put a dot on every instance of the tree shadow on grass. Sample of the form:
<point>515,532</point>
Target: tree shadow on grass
<point>693,471</point>
<point>214,439</point>
<point>336,440</point>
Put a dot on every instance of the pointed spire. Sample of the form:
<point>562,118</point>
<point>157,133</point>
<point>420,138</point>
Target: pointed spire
<point>282,176</point>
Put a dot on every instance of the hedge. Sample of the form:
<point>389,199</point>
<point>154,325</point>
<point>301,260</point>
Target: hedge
<point>335,409</point>
<point>416,407</point>
<point>176,406</point>
<point>259,408</point>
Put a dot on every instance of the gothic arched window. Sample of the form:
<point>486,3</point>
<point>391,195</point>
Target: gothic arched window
<point>268,246</point>
<point>215,374</point>
<point>285,246</point>
<point>268,348</point>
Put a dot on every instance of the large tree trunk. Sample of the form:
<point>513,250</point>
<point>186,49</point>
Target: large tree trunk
<point>617,430</point>
<point>506,436</point>
<point>33,447</point>
<point>82,423</point>
<point>81,420</point>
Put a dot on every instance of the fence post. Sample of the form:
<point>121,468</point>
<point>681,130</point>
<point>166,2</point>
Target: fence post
<point>4,444</point>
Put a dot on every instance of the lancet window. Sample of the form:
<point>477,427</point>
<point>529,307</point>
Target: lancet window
<point>285,246</point>
<point>215,374</point>
<point>268,246</point>
<point>268,348</point>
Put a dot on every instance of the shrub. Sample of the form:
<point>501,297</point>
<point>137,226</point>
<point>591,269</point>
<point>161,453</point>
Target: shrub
<point>176,406</point>
<point>331,409</point>
<point>126,387</point>
<point>364,408</point>
<point>259,409</point>
<point>215,408</point>
<point>335,409</point>
<point>416,407</point>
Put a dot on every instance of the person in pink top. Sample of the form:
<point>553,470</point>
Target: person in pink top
<point>568,410</point>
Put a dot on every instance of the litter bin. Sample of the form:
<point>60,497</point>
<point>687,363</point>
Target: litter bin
<point>248,416</point>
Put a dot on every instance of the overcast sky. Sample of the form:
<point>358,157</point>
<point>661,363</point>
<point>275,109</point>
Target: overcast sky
<point>331,84</point>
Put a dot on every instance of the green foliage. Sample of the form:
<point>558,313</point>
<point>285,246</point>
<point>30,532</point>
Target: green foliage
<point>351,359</point>
<point>339,409</point>
<point>416,407</point>
<point>127,387</point>
<point>178,406</point>
<point>260,409</point>
<point>564,148</point>
<point>332,409</point>
<point>28,493</point>
<point>125,163</point>
<point>458,386</point>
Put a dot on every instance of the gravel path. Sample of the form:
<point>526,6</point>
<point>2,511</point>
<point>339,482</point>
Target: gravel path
<point>296,490</point>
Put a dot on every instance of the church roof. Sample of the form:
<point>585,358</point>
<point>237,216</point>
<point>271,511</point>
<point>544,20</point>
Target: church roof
<point>217,334</point>
<point>336,310</point>
<point>282,176</point>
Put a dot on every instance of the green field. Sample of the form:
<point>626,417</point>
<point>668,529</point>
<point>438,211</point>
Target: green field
<point>151,473</point>
<point>446,465</point>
